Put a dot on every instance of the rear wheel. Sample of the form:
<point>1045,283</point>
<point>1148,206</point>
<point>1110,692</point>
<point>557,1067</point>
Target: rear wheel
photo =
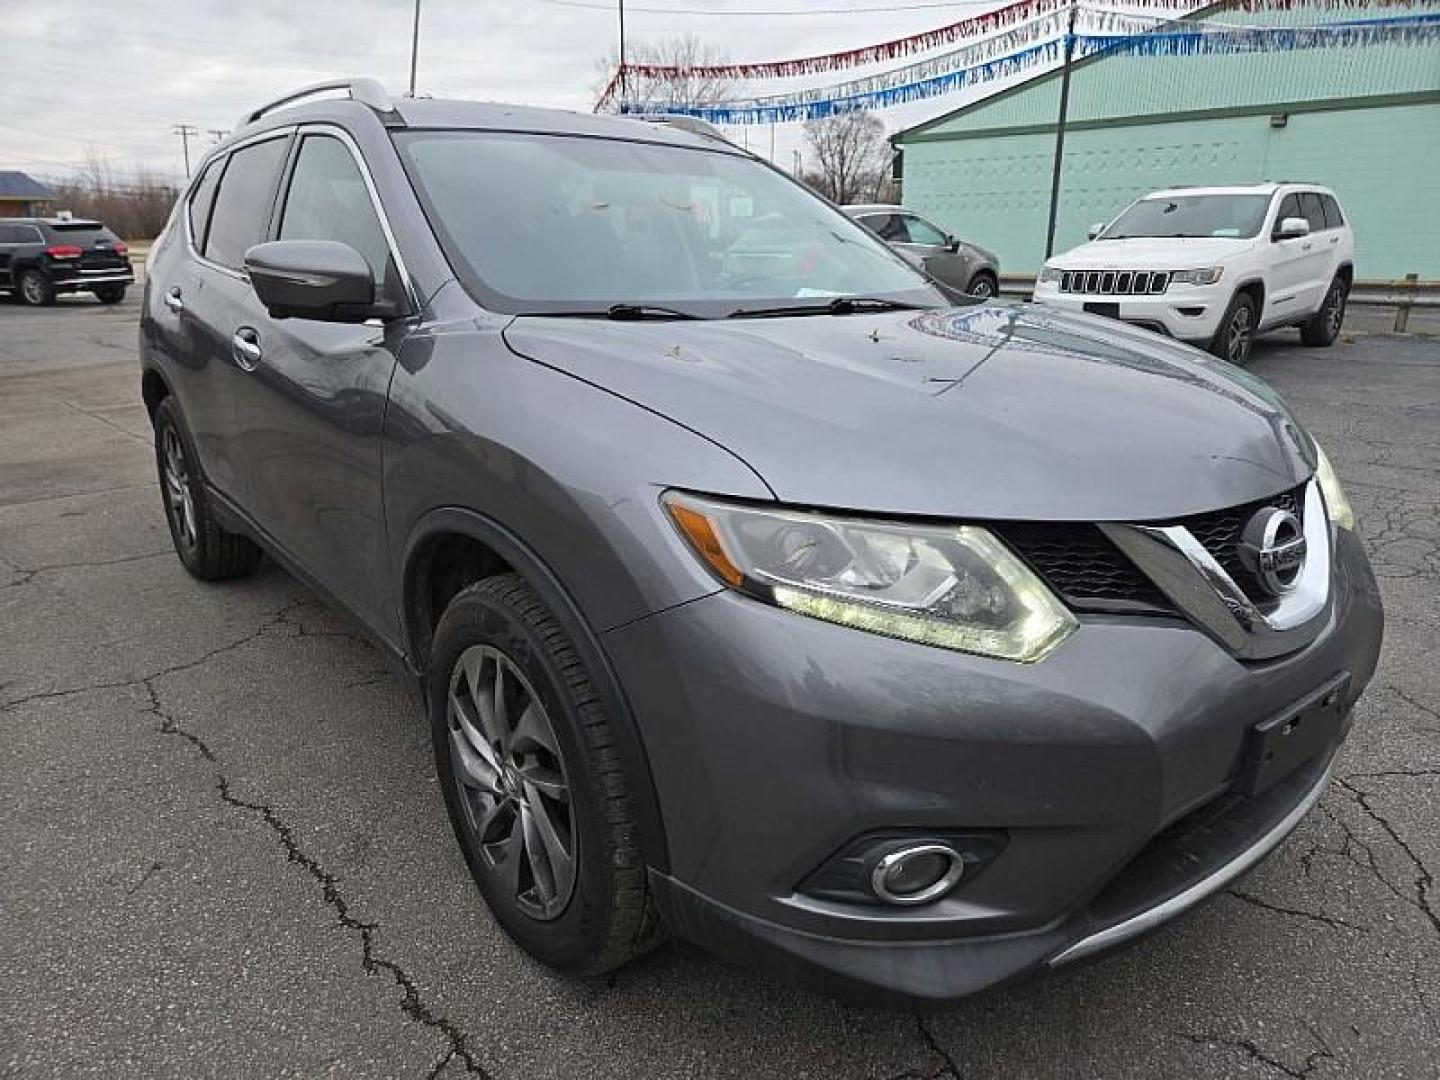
<point>111,295</point>
<point>983,285</point>
<point>533,783</point>
<point>207,551</point>
<point>1237,331</point>
<point>1322,330</point>
<point>36,289</point>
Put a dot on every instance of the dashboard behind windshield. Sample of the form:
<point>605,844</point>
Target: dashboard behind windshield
<point>549,223</point>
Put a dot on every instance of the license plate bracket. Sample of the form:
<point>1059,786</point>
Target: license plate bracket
<point>1279,745</point>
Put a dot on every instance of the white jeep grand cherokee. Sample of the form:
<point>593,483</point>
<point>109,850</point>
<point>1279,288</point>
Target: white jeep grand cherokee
<point>1215,266</point>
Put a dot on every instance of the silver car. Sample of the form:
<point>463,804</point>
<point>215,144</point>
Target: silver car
<point>948,259</point>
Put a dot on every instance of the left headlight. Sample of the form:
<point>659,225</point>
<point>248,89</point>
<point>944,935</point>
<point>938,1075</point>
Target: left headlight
<point>1049,274</point>
<point>954,586</point>
<point>1336,501</point>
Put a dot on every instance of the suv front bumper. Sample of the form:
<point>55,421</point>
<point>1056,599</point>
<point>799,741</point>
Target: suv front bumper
<point>1184,312</point>
<point>775,740</point>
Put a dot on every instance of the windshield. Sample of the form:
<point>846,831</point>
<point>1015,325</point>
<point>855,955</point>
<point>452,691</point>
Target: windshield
<point>1191,215</point>
<point>547,223</point>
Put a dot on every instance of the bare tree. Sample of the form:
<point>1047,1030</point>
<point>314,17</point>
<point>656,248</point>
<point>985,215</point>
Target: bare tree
<point>852,156</point>
<point>134,208</point>
<point>683,89</point>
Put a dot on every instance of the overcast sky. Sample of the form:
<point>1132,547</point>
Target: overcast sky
<point>114,75</point>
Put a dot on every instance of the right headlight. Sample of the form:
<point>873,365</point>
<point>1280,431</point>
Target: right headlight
<point>953,586</point>
<point>1336,501</point>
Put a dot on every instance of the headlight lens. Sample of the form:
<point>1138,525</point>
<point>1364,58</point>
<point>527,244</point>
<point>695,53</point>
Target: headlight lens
<point>1336,501</point>
<point>956,587</point>
<point>1207,275</point>
<point>1050,273</point>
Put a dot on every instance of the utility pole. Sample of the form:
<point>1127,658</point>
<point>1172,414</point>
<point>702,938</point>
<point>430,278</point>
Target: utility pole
<point>1060,132</point>
<point>624,90</point>
<point>414,47</point>
<point>795,157</point>
<point>185,131</point>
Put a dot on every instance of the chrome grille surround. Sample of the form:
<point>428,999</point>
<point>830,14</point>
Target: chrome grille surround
<point>1115,282</point>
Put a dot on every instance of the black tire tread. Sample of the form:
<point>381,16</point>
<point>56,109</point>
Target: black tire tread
<point>634,926</point>
<point>1316,332</point>
<point>220,555</point>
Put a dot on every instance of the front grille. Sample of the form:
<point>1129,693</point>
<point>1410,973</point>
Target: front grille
<point>1115,282</point>
<point>1090,573</point>
<point>1220,532</point>
<point>1083,566</point>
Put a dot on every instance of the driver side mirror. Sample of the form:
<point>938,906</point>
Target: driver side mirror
<point>1095,230</point>
<point>1292,227</point>
<point>323,280</point>
<point>952,243</point>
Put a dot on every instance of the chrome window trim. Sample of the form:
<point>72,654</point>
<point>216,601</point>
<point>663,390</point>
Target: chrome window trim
<point>260,136</point>
<point>1182,568</point>
<point>1206,887</point>
<point>348,141</point>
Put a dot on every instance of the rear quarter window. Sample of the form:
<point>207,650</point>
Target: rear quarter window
<point>1334,219</point>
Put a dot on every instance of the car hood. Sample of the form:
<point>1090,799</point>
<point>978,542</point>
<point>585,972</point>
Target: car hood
<point>1151,253</point>
<point>991,411</point>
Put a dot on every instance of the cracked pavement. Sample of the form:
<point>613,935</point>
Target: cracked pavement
<point>224,851</point>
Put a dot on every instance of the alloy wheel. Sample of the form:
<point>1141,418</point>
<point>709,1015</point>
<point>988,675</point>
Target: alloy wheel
<point>1237,340</point>
<point>1335,316</point>
<point>512,782</point>
<point>179,501</point>
<point>982,289</point>
<point>33,289</point>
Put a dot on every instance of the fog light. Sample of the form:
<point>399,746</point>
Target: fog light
<point>918,874</point>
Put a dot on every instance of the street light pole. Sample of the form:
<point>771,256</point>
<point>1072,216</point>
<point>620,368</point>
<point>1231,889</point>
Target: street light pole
<point>623,88</point>
<point>1060,132</point>
<point>414,47</point>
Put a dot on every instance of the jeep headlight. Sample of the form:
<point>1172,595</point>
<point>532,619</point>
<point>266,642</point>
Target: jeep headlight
<point>1336,501</point>
<point>953,586</point>
<point>1206,275</point>
<point>1049,274</point>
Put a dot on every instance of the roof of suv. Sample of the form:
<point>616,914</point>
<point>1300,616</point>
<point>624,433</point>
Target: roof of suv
<point>77,223</point>
<point>1264,187</point>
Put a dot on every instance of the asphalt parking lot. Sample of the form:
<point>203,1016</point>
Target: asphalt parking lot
<point>223,850</point>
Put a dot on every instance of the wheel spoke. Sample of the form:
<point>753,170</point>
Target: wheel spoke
<point>545,780</point>
<point>477,742</point>
<point>470,767</point>
<point>532,730</point>
<point>476,662</point>
<point>537,854</point>
<point>558,853</point>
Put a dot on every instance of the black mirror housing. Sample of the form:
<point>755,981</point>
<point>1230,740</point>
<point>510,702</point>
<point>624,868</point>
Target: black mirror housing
<point>322,280</point>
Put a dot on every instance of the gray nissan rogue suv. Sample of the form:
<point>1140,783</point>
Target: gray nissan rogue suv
<point>756,592</point>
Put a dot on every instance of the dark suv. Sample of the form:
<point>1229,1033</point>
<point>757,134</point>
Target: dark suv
<point>753,590</point>
<point>42,257</point>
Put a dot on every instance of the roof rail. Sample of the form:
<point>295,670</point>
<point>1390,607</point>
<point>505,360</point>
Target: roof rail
<point>693,124</point>
<point>366,91</point>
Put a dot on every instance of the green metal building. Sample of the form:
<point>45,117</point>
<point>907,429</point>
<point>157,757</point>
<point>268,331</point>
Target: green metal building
<point>1363,120</point>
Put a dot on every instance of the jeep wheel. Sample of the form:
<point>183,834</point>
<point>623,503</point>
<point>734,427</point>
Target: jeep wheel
<point>1322,330</point>
<point>206,550</point>
<point>532,781</point>
<point>1237,331</point>
<point>36,290</point>
<point>111,295</point>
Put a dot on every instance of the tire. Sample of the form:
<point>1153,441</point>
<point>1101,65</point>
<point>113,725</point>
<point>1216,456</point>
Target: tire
<point>207,551</point>
<point>1324,327</point>
<point>35,289</point>
<point>597,914</point>
<point>983,285</point>
<point>111,295</point>
<point>1236,334</point>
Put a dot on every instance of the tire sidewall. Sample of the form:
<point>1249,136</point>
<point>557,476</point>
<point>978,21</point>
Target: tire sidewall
<point>167,416</point>
<point>46,290</point>
<point>572,940</point>
<point>1222,336</point>
<point>992,290</point>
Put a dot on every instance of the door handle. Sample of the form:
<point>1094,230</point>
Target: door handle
<point>245,346</point>
<point>1334,239</point>
<point>1306,247</point>
<point>173,301</point>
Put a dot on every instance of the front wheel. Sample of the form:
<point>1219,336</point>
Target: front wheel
<point>1237,331</point>
<point>983,285</point>
<point>110,295</point>
<point>532,781</point>
<point>1324,327</point>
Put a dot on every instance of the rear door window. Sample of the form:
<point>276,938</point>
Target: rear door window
<point>329,200</point>
<point>10,234</point>
<point>1333,218</point>
<point>200,202</point>
<point>241,216</point>
<point>1313,211</point>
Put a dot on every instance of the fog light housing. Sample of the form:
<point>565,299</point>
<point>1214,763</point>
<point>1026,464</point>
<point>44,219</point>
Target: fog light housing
<point>903,867</point>
<point>917,874</point>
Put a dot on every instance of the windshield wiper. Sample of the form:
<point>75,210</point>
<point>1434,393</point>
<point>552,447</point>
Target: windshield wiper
<point>841,305</point>
<point>618,312</point>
